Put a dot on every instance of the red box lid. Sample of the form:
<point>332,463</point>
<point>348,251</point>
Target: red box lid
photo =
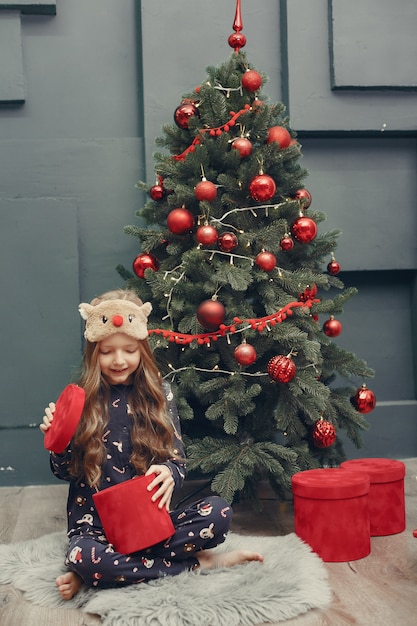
<point>379,470</point>
<point>68,411</point>
<point>331,483</point>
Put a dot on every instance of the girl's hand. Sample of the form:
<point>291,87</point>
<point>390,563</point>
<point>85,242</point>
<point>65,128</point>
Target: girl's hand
<point>48,417</point>
<point>165,482</point>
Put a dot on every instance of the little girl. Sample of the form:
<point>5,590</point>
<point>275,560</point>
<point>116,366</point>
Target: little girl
<point>129,427</point>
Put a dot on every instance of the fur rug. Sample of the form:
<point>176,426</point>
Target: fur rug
<point>291,581</point>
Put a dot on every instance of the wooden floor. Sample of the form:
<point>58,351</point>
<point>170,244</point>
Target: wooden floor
<point>380,590</point>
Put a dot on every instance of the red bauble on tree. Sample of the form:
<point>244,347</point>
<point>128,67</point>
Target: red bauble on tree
<point>143,262</point>
<point>211,314</point>
<point>304,229</point>
<point>262,188</point>
<point>286,243</point>
<point>324,434</point>
<point>251,80</point>
<point>245,354</point>
<point>157,192</point>
<point>279,135</point>
<point>180,221</point>
<point>333,267</point>
<point>332,327</point>
<point>206,235</point>
<point>243,146</point>
<point>364,400</point>
<point>183,113</point>
<point>266,261</point>
<point>227,242</point>
<point>205,190</point>
<point>281,368</point>
<point>304,197</point>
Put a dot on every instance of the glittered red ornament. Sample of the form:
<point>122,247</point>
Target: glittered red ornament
<point>304,197</point>
<point>211,314</point>
<point>183,113</point>
<point>206,235</point>
<point>333,267</point>
<point>143,262</point>
<point>205,190</point>
<point>286,243</point>
<point>364,400</point>
<point>262,188</point>
<point>281,368</point>
<point>332,327</point>
<point>304,229</point>
<point>243,146</point>
<point>157,192</point>
<point>245,354</point>
<point>251,80</point>
<point>266,261</point>
<point>227,242</point>
<point>279,135</point>
<point>324,434</point>
<point>180,221</point>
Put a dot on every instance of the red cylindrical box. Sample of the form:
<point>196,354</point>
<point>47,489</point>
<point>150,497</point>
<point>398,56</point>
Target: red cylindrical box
<point>331,512</point>
<point>386,493</point>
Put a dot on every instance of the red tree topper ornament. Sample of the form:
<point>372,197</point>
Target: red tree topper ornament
<point>227,242</point>
<point>211,314</point>
<point>180,221</point>
<point>304,229</point>
<point>251,80</point>
<point>144,261</point>
<point>237,40</point>
<point>279,135</point>
<point>281,368</point>
<point>183,113</point>
<point>364,400</point>
<point>205,190</point>
<point>303,196</point>
<point>262,188</point>
<point>245,354</point>
<point>332,327</point>
<point>266,261</point>
<point>207,235</point>
<point>324,434</point>
<point>243,146</point>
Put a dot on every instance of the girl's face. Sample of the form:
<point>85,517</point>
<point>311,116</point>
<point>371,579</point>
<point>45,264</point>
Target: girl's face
<point>118,357</point>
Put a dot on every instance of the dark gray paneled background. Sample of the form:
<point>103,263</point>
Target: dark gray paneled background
<point>85,93</point>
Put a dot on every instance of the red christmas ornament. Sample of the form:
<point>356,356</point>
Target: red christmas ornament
<point>262,188</point>
<point>205,190</point>
<point>304,197</point>
<point>324,434</point>
<point>211,314</point>
<point>143,262</point>
<point>227,242</point>
<point>333,267</point>
<point>157,192</point>
<point>364,400</point>
<point>245,354</point>
<point>251,80</point>
<point>304,229</point>
<point>243,146</point>
<point>207,235</point>
<point>286,243</point>
<point>332,327</point>
<point>280,135</point>
<point>180,221</point>
<point>309,293</point>
<point>281,368</point>
<point>183,113</point>
<point>237,40</point>
<point>266,261</point>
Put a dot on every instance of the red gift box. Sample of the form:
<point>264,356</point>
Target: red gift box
<point>331,512</point>
<point>386,493</point>
<point>130,519</point>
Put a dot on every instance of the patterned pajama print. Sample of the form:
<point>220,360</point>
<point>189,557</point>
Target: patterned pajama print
<point>199,526</point>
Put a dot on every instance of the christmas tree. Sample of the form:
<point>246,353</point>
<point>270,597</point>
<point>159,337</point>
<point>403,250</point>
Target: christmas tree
<point>244,317</point>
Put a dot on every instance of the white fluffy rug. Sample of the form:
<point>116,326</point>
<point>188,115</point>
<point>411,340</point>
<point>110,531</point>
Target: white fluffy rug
<point>291,581</point>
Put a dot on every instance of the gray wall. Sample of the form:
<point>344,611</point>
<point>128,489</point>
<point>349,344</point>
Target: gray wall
<point>74,107</point>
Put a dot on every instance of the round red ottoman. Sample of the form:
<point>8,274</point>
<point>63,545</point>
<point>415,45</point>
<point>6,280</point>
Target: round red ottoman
<point>386,493</point>
<point>331,512</point>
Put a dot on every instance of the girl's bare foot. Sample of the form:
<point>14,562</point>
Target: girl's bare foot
<point>209,559</point>
<point>68,585</point>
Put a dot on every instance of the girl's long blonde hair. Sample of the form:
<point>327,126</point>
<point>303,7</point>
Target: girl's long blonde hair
<point>152,430</point>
